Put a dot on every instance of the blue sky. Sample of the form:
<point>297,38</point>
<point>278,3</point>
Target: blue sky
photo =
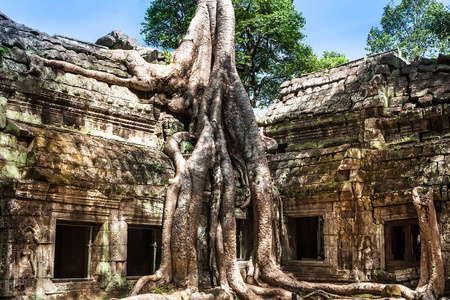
<point>341,26</point>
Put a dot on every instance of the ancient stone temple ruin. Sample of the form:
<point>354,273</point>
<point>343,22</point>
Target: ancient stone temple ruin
<point>353,142</point>
<point>83,175</point>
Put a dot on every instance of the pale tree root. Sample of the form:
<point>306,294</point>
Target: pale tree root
<point>322,294</point>
<point>147,284</point>
<point>268,292</point>
<point>433,270</point>
<point>185,294</point>
<point>163,275</point>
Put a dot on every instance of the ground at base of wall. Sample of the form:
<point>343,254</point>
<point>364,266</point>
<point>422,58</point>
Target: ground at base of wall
<point>78,290</point>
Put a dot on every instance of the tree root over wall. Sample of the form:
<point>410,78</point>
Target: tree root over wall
<point>204,84</point>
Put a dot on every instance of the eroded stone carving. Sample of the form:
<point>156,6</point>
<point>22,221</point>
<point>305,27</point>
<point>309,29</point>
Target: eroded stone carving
<point>25,266</point>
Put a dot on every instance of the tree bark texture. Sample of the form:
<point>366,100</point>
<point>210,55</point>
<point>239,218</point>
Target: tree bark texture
<point>204,84</point>
<point>432,276</point>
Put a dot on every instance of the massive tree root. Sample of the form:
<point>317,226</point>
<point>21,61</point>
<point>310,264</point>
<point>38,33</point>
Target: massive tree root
<point>432,276</point>
<point>204,84</point>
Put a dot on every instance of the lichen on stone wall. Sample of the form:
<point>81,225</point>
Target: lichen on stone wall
<point>108,279</point>
<point>2,243</point>
<point>393,136</point>
<point>3,103</point>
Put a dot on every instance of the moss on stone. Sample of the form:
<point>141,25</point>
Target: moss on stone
<point>279,127</point>
<point>300,147</point>
<point>109,281</point>
<point>186,147</point>
<point>3,102</point>
<point>12,129</point>
<point>7,140</point>
<point>10,170</point>
<point>337,141</point>
<point>322,144</point>
<point>23,116</point>
<point>381,276</point>
<point>12,155</point>
<point>116,281</point>
<point>39,295</point>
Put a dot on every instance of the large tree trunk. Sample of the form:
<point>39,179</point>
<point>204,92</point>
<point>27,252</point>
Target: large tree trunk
<point>205,85</point>
<point>432,276</point>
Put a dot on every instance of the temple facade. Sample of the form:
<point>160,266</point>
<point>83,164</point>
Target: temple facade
<point>353,141</point>
<point>83,175</point>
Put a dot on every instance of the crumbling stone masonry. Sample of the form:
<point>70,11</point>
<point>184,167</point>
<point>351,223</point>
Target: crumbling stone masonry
<point>353,143</point>
<point>80,164</point>
<point>83,176</point>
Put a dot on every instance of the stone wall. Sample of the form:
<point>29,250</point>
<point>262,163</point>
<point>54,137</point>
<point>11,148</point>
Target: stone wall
<point>73,151</point>
<point>353,142</point>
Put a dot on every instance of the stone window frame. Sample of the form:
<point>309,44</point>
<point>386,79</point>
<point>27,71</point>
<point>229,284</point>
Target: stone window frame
<point>94,228</point>
<point>319,238</point>
<point>409,261</point>
<point>387,214</point>
<point>143,227</point>
<point>325,210</point>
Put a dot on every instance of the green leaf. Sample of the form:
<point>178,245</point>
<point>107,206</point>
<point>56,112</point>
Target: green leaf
<point>416,27</point>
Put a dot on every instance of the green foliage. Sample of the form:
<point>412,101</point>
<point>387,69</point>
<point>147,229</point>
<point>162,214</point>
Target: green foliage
<point>186,147</point>
<point>157,290</point>
<point>166,22</point>
<point>416,27</point>
<point>161,290</point>
<point>439,24</point>
<point>329,59</point>
<point>157,167</point>
<point>268,41</point>
<point>333,181</point>
<point>167,57</point>
<point>268,46</point>
<point>4,52</point>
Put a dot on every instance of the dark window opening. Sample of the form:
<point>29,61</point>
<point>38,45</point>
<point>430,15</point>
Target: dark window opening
<point>143,251</point>
<point>73,250</point>
<point>402,242</point>
<point>308,235</point>
<point>398,243</point>
<point>244,238</point>
<point>282,148</point>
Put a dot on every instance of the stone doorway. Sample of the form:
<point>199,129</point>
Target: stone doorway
<point>402,244</point>
<point>308,234</point>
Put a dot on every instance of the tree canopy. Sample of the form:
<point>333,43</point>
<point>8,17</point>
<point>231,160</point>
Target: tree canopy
<point>166,22</point>
<point>416,27</point>
<point>328,60</point>
<point>268,41</point>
